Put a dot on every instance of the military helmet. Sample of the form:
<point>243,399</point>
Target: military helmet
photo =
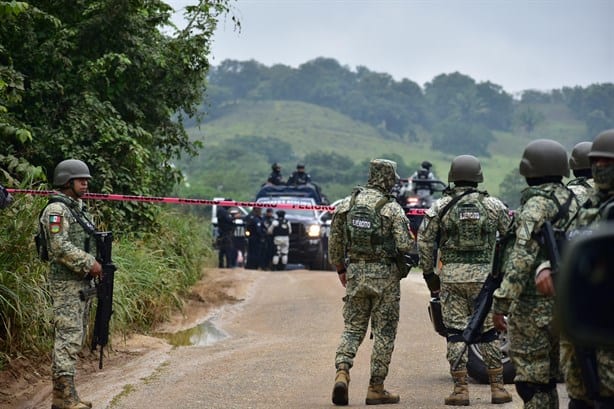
<point>276,166</point>
<point>465,168</point>
<point>544,157</point>
<point>70,169</point>
<point>300,166</point>
<point>280,213</point>
<point>579,156</point>
<point>603,145</point>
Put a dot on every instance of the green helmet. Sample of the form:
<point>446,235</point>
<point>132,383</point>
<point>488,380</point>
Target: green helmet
<point>579,156</point>
<point>70,169</point>
<point>465,168</point>
<point>603,145</point>
<point>544,157</point>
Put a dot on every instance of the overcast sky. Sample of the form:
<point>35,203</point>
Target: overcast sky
<point>518,44</point>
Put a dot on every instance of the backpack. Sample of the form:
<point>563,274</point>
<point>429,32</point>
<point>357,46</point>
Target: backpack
<point>468,226</point>
<point>282,228</point>
<point>364,225</point>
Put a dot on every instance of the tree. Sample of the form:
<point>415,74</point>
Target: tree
<point>529,118</point>
<point>511,188</point>
<point>104,79</point>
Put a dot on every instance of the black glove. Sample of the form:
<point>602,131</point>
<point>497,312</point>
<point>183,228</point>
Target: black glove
<point>432,282</point>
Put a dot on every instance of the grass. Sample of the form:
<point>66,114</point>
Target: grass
<point>154,271</point>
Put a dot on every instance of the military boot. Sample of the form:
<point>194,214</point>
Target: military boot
<point>63,398</point>
<point>342,382</point>
<point>76,396</point>
<point>497,387</point>
<point>377,395</point>
<point>460,395</point>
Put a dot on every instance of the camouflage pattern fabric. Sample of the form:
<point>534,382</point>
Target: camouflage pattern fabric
<point>498,218</point>
<point>582,188</point>
<point>70,264</point>
<point>605,356</point>
<point>70,320</point>
<point>373,288</point>
<point>67,239</point>
<point>461,282</point>
<point>457,301</point>
<point>534,342</point>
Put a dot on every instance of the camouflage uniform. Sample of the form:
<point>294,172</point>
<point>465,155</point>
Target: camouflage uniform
<point>373,289</point>
<point>70,264</point>
<point>534,341</point>
<point>581,187</point>
<point>463,272</point>
<point>589,215</point>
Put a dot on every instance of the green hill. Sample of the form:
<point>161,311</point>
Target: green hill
<point>309,128</point>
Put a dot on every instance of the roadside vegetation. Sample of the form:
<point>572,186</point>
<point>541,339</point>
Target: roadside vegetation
<point>154,271</point>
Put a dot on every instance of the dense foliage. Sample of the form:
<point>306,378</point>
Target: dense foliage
<point>101,81</point>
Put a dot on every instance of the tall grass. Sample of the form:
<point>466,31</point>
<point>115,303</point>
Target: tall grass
<point>154,270</point>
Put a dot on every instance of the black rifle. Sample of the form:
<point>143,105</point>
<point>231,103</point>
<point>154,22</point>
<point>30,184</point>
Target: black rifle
<point>483,303</point>
<point>104,291</point>
<point>548,240</point>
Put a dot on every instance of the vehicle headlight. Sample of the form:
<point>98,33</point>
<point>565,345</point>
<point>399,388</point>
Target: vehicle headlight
<point>313,230</point>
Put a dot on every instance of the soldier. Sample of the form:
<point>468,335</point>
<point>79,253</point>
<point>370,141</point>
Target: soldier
<point>299,177</point>
<point>580,165</point>
<point>464,224</point>
<point>275,177</point>
<point>534,340</point>
<point>281,229</point>
<point>5,198</point>
<point>596,210</point>
<point>68,230</point>
<point>370,229</point>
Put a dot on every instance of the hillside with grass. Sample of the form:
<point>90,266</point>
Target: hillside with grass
<point>312,130</point>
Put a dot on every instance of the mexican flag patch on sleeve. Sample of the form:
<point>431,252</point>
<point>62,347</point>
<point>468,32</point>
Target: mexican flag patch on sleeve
<point>55,223</point>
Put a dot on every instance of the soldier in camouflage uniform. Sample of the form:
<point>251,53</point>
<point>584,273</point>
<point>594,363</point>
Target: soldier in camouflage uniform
<point>534,340</point>
<point>363,247</point>
<point>71,250</point>
<point>583,183</point>
<point>599,207</point>
<point>466,221</point>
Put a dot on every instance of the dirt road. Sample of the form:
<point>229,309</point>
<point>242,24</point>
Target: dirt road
<point>277,350</point>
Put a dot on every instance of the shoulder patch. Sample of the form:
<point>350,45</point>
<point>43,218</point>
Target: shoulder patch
<point>55,223</point>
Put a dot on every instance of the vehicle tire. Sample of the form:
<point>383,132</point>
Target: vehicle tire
<point>320,260</point>
<point>476,368</point>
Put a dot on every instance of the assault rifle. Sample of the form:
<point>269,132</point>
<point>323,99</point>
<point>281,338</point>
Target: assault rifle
<point>548,240</point>
<point>483,303</point>
<point>103,291</point>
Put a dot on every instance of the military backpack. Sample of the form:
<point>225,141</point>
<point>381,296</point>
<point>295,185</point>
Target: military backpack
<point>364,227</point>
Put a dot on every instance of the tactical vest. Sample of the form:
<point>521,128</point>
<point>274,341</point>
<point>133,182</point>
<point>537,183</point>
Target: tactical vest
<point>282,228</point>
<point>364,230</point>
<point>80,234</point>
<point>469,235</point>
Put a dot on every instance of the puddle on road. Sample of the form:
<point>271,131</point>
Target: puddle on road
<point>203,334</point>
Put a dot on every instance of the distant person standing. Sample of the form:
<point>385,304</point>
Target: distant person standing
<point>299,176</point>
<point>275,178</point>
<point>239,238</point>
<point>281,230</point>
<point>255,239</point>
<point>269,246</point>
<point>225,239</point>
